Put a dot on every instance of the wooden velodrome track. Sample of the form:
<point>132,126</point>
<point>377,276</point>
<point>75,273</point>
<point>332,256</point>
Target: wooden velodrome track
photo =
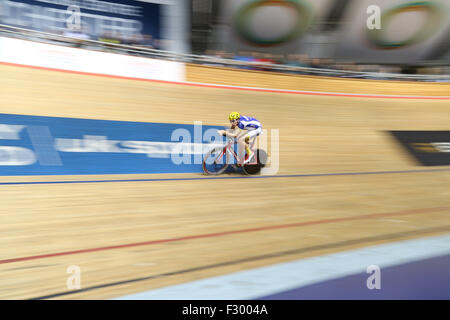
<point>130,237</point>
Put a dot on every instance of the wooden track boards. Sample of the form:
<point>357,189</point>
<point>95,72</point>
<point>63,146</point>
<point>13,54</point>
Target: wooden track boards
<point>307,215</point>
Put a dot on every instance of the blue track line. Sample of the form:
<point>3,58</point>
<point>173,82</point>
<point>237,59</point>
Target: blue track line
<point>225,178</point>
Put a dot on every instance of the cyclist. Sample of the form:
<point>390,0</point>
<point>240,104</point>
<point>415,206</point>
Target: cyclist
<point>250,124</point>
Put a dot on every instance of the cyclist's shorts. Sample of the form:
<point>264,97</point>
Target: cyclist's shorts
<point>253,133</point>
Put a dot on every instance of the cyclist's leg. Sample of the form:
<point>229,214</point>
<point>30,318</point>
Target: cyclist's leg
<point>241,147</point>
<point>251,136</point>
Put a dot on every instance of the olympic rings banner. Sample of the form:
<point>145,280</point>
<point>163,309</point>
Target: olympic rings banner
<point>410,30</point>
<point>275,26</point>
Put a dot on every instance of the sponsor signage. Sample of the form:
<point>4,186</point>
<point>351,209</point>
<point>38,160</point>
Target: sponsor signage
<point>124,20</point>
<point>35,145</point>
<point>429,148</point>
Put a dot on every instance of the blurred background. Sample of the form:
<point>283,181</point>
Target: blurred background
<point>281,35</point>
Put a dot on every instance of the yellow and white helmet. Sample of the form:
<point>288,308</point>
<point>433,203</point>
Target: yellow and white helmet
<point>234,116</point>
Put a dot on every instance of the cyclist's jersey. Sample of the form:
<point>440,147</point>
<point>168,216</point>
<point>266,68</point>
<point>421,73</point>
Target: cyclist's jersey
<point>248,123</point>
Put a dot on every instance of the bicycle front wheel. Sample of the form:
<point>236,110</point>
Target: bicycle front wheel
<point>215,161</point>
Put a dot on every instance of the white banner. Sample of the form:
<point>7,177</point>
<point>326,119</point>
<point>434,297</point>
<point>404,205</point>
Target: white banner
<point>82,60</point>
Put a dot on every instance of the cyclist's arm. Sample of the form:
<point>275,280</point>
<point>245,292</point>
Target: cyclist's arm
<point>233,134</point>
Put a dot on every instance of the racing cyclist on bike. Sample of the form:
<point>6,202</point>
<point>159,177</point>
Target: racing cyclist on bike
<point>250,124</point>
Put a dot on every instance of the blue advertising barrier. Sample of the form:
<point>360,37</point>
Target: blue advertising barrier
<point>35,145</point>
<point>126,20</point>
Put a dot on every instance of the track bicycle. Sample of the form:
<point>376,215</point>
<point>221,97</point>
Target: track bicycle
<point>218,159</point>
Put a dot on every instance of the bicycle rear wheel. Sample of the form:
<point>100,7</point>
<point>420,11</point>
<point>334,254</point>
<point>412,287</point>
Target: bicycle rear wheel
<point>215,161</point>
<point>255,168</point>
<point>252,169</point>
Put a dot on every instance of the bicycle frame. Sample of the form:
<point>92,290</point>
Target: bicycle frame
<point>228,148</point>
